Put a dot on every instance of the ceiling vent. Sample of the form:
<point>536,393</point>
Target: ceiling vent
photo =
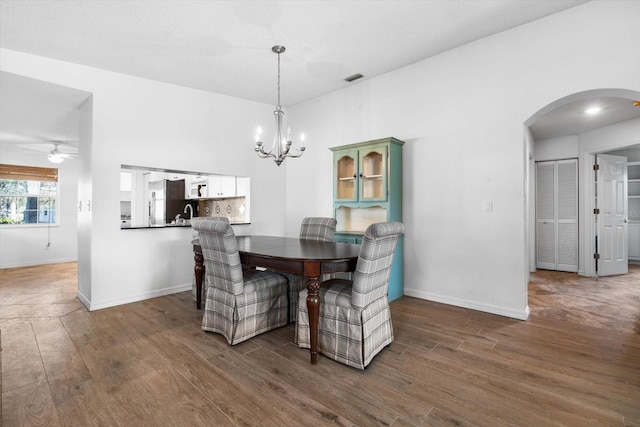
<point>353,77</point>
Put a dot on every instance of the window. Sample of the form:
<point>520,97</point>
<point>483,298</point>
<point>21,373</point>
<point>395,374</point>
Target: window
<point>28,195</point>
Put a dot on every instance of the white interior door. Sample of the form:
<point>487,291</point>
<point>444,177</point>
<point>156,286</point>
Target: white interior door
<point>557,215</point>
<point>611,188</point>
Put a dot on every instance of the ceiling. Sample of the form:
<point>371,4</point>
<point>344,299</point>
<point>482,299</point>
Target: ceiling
<point>33,112</point>
<point>225,46</point>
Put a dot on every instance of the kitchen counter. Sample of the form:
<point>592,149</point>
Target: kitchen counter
<point>128,227</point>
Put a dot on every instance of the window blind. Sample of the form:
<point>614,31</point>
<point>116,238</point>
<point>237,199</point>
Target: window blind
<point>28,173</point>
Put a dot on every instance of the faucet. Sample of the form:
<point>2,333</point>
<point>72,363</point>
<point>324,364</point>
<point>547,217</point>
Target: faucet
<point>190,208</point>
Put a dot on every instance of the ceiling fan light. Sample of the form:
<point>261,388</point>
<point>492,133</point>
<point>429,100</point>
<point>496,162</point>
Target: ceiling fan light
<point>55,158</point>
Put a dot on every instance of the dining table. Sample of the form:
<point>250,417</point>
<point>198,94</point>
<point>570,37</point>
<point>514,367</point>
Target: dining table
<point>310,259</point>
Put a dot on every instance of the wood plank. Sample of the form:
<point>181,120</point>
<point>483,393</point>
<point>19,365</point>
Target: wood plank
<point>576,361</point>
<point>29,405</point>
<point>319,382</point>
<point>21,362</point>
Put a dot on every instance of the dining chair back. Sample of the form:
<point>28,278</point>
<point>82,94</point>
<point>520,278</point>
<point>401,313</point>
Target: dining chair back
<point>355,318</point>
<point>196,241</point>
<point>239,304</point>
<point>318,229</point>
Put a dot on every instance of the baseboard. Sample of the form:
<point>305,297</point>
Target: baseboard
<point>84,300</point>
<point>41,262</point>
<point>135,298</point>
<point>473,305</point>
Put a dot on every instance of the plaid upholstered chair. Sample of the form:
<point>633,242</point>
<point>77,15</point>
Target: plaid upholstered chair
<point>239,304</point>
<point>196,240</point>
<point>355,320</point>
<point>318,229</point>
<point>313,228</point>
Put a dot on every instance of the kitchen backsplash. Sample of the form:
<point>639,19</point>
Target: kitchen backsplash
<point>233,208</point>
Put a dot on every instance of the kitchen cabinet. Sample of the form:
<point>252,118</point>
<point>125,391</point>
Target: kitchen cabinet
<point>196,187</point>
<point>367,188</point>
<point>242,186</point>
<point>210,187</point>
<point>222,186</point>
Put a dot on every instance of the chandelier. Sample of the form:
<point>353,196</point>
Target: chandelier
<point>281,143</point>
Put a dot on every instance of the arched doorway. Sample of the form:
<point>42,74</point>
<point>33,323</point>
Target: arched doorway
<point>563,129</point>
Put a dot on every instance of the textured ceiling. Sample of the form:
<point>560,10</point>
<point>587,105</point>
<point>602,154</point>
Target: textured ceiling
<point>225,47</point>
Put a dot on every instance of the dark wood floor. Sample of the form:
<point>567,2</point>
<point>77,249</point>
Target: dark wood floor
<point>575,362</point>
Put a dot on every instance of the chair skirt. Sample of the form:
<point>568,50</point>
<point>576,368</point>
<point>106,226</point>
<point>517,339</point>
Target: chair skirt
<point>262,307</point>
<point>346,334</point>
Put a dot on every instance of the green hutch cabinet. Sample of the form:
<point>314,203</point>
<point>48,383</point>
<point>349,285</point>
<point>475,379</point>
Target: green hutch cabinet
<point>367,188</point>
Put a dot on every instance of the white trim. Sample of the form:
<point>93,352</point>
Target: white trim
<point>473,305</point>
<point>39,262</point>
<point>84,300</point>
<point>588,229</point>
<point>140,297</point>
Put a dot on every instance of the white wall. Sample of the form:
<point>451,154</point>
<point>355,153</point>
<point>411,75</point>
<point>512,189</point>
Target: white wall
<point>530,185</point>
<point>564,147</point>
<point>147,123</point>
<point>632,154</point>
<point>23,246</point>
<point>461,115</point>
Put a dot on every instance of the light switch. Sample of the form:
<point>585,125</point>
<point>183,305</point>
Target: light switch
<point>487,206</point>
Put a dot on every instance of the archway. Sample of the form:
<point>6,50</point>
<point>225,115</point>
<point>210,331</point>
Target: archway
<point>567,116</point>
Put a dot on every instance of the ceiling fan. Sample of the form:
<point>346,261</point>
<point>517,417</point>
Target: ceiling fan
<point>57,156</point>
<point>54,156</point>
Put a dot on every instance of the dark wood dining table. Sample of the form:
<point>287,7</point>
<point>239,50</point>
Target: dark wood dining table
<point>308,258</point>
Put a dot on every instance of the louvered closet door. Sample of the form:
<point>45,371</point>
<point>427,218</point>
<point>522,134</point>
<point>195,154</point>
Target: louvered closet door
<point>557,215</point>
<point>545,215</point>
<point>567,215</point>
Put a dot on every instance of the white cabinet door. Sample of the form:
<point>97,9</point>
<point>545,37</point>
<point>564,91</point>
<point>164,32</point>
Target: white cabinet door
<point>222,186</point>
<point>242,186</point>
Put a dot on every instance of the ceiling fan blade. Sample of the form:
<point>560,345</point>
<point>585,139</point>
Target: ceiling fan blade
<point>46,150</point>
<point>36,150</point>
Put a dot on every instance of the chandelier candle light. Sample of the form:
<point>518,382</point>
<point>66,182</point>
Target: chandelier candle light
<point>282,143</point>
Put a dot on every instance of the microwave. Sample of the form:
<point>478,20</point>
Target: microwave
<point>198,189</point>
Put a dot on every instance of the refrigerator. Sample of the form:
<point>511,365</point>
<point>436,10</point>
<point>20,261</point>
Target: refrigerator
<point>165,201</point>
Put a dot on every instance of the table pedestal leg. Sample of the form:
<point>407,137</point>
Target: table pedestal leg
<point>199,272</point>
<point>313,308</point>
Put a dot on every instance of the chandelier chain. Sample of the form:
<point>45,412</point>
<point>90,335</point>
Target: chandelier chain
<point>278,80</point>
